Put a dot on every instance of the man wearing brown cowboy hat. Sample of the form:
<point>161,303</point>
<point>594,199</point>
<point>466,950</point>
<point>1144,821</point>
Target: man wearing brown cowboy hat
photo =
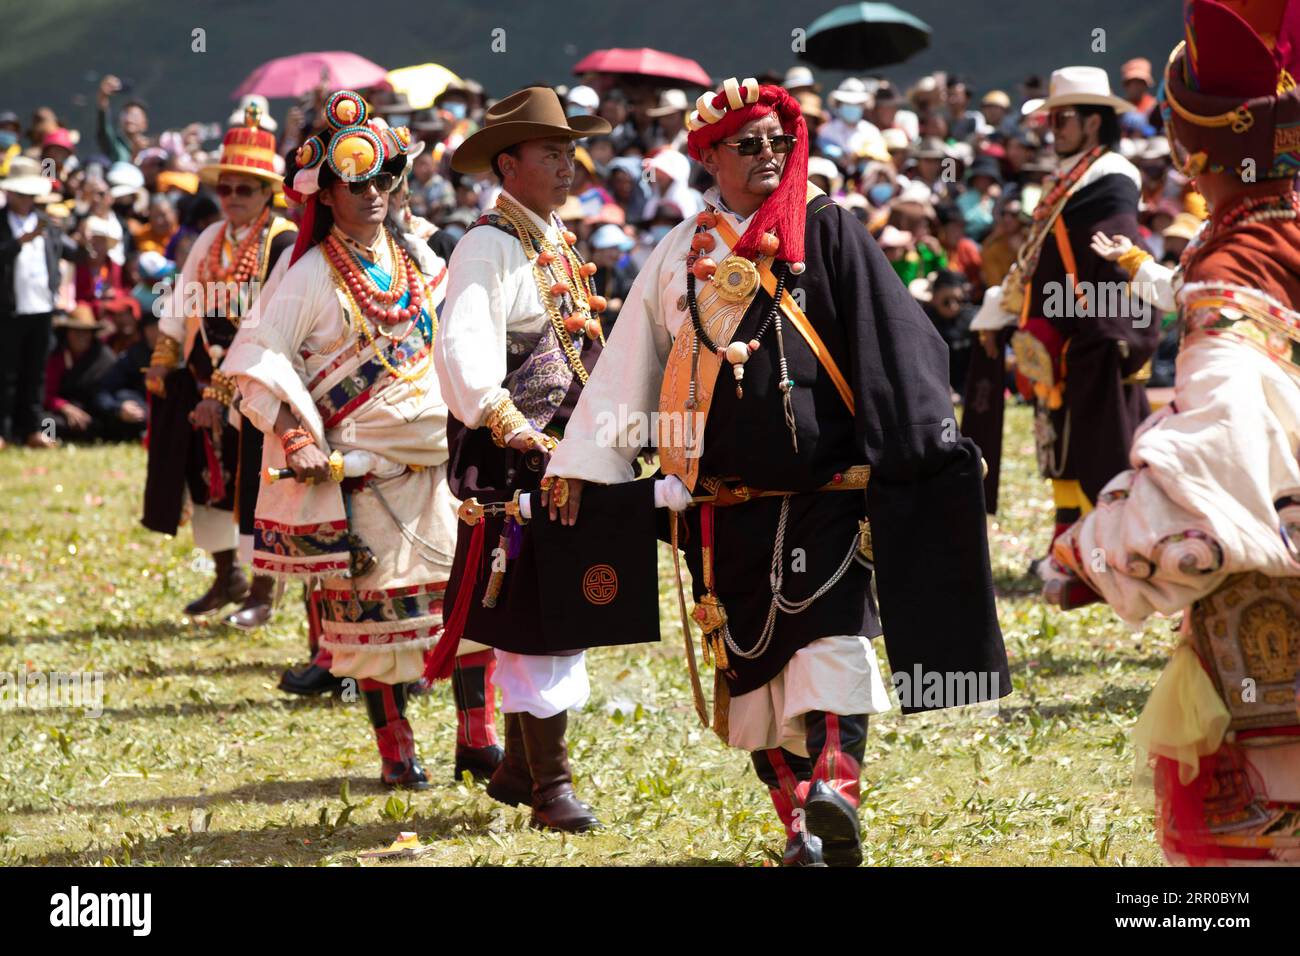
<point>195,452</point>
<point>73,373</point>
<point>520,334</point>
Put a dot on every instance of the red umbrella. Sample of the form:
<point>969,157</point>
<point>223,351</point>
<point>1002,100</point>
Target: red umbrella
<point>645,62</point>
<point>303,72</point>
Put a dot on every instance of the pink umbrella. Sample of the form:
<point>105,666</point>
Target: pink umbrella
<point>645,62</point>
<point>302,72</point>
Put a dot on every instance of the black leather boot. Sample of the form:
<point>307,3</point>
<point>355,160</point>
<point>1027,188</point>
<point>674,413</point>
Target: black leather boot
<point>309,680</point>
<point>511,782</point>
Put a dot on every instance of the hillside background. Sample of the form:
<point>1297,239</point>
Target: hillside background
<point>53,52</point>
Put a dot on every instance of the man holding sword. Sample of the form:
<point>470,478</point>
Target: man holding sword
<point>336,370</point>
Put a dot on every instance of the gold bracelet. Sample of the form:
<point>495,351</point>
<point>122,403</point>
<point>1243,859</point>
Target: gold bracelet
<point>166,352</point>
<point>504,418</point>
<point>1132,260</point>
<point>221,388</point>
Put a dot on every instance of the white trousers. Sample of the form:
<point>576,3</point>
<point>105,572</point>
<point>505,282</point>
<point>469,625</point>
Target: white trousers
<point>540,684</point>
<point>214,529</point>
<point>838,675</point>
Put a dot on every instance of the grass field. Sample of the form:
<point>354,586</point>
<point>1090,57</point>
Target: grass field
<point>198,759</point>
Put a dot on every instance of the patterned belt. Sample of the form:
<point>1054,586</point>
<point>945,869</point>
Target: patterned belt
<point>723,492</point>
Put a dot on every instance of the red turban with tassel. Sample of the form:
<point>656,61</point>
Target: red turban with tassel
<point>783,211</point>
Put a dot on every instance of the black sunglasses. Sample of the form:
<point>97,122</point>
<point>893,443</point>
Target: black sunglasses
<point>383,183</point>
<point>753,145</point>
<point>243,190</point>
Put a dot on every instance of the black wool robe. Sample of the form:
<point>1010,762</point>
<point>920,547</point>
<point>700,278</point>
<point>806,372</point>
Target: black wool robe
<point>924,499</point>
<point>1107,344</point>
<point>177,458</point>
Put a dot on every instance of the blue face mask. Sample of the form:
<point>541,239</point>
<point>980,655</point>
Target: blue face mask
<point>657,233</point>
<point>7,138</point>
<point>880,194</point>
<point>456,109</point>
<point>850,112</point>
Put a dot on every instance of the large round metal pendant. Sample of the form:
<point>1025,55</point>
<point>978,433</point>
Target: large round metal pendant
<point>736,279</point>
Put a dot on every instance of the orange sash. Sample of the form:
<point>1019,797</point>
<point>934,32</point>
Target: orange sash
<point>720,319</point>
<point>681,430</point>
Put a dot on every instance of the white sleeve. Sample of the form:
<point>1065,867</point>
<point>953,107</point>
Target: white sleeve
<point>256,402</point>
<point>1153,283</point>
<point>470,351</point>
<point>613,419</point>
<point>172,321</point>
<point>264,359</point>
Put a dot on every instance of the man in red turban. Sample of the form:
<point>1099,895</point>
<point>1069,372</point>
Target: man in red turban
<point>805,430</point>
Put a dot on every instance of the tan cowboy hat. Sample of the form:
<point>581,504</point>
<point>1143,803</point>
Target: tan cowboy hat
<point>670,101</point>
<point>532,113</point>
<point>82,319</point>
<point>25,178</point>
<point>1079,86</point>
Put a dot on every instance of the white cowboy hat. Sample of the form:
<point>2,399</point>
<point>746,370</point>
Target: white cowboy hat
<point>1078,86</point>
<point>852,90</point>
<point>800,77</point>
<point>99,226</point>
<point>25,178</point>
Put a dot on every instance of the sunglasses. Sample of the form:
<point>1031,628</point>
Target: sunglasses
<point>383,183</point>
<point>753,145</point>
<point>243,190</point>
<point>1061,117</point>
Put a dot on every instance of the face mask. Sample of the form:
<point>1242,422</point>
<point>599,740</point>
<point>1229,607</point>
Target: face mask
<point>657,233</point>
<point>850,113</point>
<point>456,109</point>
<point>7,138</point>
<point>880,194</point>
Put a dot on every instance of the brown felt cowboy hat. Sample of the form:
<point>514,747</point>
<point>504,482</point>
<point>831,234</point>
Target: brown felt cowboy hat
<point>532,113</point>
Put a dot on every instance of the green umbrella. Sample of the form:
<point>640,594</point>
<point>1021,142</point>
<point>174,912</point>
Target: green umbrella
<point>864,36</point>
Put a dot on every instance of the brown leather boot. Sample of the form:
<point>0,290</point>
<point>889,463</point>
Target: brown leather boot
<point>228,587</point>
<point>555,805</point>
<point>511,782</point>
<point>257,607</point>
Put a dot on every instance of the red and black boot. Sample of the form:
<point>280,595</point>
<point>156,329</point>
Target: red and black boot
<point>386,704</point>
<point>786,775</point>
<point>477,749</point>
<point>837,744</point>
<point>314,677</point>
